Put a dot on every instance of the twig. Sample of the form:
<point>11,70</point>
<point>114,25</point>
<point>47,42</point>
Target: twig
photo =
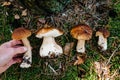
<point>115,73</point>
<point>11,30</point>
<point>112,54</point>
<point>60,65</point>
<point>52,69</point>
<point>116,2</point>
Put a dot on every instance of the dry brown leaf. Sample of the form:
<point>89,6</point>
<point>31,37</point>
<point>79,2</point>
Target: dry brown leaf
<point>79,61</point>
<point>106,72</point>
<point>20,7</point>
<point>17,16</point>
<point>6,3</point>
<point>24,12</point>
<point>97,66</point>
<point>102,70</point>
<point>68,47</point>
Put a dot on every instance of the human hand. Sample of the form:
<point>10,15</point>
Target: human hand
<point>8,51</point>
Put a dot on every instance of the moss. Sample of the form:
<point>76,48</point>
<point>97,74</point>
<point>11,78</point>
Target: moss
<point>81,72</point>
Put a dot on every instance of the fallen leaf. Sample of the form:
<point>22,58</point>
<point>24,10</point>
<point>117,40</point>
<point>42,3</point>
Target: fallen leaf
<point>98,69</point>
<point>79,61</point>
<point>106,72</point>
<point>68,47</point>
<point>24,12</point>
<point>17,16</point>
<point>102,70</point>
<point>6,3</point>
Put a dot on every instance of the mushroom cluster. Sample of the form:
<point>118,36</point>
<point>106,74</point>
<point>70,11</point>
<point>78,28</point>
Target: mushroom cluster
<point>50,48</point>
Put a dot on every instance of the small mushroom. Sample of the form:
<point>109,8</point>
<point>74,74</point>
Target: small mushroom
<point>81,32</point>
<point>102,41</point>
<point>49,47</point>
<point>22,34</point>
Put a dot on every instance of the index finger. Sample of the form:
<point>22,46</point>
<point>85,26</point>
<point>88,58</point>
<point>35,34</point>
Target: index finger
<point>12,43</point>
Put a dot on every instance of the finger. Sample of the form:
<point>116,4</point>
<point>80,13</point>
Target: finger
<point>17,46</point>
<point>19,50</point>
<point>11,63</point>
<point>18,60</point>
<point>12,43</point>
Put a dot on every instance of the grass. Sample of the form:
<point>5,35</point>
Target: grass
<point>82,72</point>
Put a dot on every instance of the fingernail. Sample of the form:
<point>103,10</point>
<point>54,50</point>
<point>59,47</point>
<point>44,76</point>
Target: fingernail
<point>25,48</point>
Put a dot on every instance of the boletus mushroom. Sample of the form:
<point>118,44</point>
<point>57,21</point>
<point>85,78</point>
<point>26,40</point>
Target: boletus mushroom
<point>22,34</point>
<point>49,47</point>
<point>81,32</point>
<point>102,40</point>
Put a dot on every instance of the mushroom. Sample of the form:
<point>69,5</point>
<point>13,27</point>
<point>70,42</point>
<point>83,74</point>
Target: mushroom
<point>102,41</point>
<point>49,47</point>
<point>81,32</point>
<point>22,34</point>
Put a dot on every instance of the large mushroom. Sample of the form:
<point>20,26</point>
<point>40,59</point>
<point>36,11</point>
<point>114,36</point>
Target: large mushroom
<point>49,47</point>
<point>102,41</point>
<point>22,34</point>
<point>81,32</point>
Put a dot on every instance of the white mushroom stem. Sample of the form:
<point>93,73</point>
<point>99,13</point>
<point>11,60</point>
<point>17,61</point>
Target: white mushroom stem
<point>49,46</point>
<point>102,42</point>
<point>28,54</point>
<point>81,46</point>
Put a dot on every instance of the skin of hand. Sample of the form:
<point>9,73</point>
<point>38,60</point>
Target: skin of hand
<point>8,51</point>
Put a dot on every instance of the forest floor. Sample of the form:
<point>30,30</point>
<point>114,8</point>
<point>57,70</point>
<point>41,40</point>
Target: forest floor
<point>74,14</point>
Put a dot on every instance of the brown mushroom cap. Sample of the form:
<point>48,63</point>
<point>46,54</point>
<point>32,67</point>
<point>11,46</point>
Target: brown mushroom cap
<point>48,31</point>
<point>103,32</point>
<point>82,31</point>
<point>21,33</point>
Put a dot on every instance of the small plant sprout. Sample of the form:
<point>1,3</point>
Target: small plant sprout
<point>102,41</point>
<point>81,32</point>
<point>22,34</point>
<point>49,47</point>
